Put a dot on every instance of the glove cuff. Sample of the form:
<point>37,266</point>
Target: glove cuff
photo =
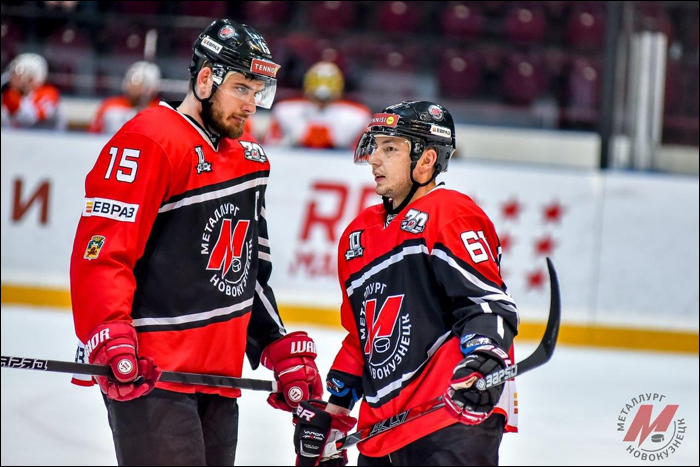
<point>296,344</point>
<point>107,332</point>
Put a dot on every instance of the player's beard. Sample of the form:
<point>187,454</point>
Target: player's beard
<point>218,121</point>
<point>398,191</point>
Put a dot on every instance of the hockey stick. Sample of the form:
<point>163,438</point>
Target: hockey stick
<point>539,357</point>
<point>166,377</point>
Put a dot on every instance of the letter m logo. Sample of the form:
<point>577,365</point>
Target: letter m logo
<point>643,425</point>
<point>381,326</point>
<point>229,247</point>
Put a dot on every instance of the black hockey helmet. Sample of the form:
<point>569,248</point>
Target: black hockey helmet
<point>425,124</point>
<point>228,46</point>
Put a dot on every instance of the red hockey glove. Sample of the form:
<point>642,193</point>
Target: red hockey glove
<point>115,344</point>
<point>292,359</point>
<point>462,399</point>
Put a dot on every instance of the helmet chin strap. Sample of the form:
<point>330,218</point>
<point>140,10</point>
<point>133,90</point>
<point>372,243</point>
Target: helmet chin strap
<point>206,105</point>
<point>388,203</point>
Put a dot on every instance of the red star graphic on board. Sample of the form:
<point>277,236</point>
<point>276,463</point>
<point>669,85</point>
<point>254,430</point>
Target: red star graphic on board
<point>511,209</point>
<point>535,280</point>
<point>553,212</point>
<point>507,242</point>
<point>545,246</point>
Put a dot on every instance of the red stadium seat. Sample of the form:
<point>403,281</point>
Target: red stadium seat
<point>360,49</point>
<point>181,40</point>
<point>585,29</point>
<point>68,52</point>
<point>524,78</point>
<point>460,73</point>
<point>398,17</point>
<point>129,42</point>
<point>266,14</point>
<point>584,84</point>
<point>210,9</point>
<point>393,58</point>
<point>463,20</point>
<point>525,25</point>
<point>332,17</point>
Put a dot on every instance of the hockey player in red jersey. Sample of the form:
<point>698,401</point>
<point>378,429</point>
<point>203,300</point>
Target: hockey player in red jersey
<point>425,308</point>
<point>171,262</point>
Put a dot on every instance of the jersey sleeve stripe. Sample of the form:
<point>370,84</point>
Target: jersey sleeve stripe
<point>205,315</point>
<point>406,251</point>
<point>269,308</point>
<point>495,292</point>
<point>196,199</point>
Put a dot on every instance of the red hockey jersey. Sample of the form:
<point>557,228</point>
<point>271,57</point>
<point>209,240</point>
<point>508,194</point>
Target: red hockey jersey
<point>411,288</point>
<point>173,239</point>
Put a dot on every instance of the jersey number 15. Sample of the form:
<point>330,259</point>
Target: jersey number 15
<point>127,164</point>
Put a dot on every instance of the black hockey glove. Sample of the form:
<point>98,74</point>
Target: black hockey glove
<point>462,399</point>
<point>314,429</point>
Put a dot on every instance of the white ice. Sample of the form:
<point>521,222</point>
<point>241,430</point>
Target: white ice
<point>568,408</point>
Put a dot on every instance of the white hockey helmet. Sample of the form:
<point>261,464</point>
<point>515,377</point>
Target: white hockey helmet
<point>30,67</point>
<point>145,74</point>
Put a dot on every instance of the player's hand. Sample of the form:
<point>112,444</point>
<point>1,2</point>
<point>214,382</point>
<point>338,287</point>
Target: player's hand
<point>115,344</point>
<point>292,359</point>
<point>316,432</point>
<point>462,399</point>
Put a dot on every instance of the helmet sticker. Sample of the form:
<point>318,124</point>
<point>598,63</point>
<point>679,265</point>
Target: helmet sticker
<point>440,131</point>
<point>263,67</point>
<point>389,120</point>
<point>436,112</point>
<point>256,40</point>
<point>226,32</point>
<point>211,44</point>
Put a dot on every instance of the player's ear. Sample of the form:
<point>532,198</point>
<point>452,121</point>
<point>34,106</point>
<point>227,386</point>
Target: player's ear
<point>204,82</point>
<point>428,160</point>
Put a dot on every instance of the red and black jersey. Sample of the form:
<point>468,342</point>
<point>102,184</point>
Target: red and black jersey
<point>173,239</point>
<point>412,287</point>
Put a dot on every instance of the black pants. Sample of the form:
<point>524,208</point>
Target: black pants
<point>171,428</point>
<point>456,444</point>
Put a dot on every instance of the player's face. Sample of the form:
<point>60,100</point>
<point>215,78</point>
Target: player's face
<point>232,104</point>
<point>391,162</point>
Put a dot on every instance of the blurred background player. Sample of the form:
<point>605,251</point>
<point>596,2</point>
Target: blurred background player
<point>27,100</point>
<point>321,119</point>
<point>140,90</point>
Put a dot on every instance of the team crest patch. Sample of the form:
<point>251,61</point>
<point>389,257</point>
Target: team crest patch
<point>227,32</point>
<point>253,152</point>
<point>227,248</point>
<point>356,250</point>
<point>385,331</point>
<point>414,222</point>
<point>436,112</point>
<point>94,246</point>
<point>203,165</point>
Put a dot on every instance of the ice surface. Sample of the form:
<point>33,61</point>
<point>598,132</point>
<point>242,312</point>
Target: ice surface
<point>568,408</point>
